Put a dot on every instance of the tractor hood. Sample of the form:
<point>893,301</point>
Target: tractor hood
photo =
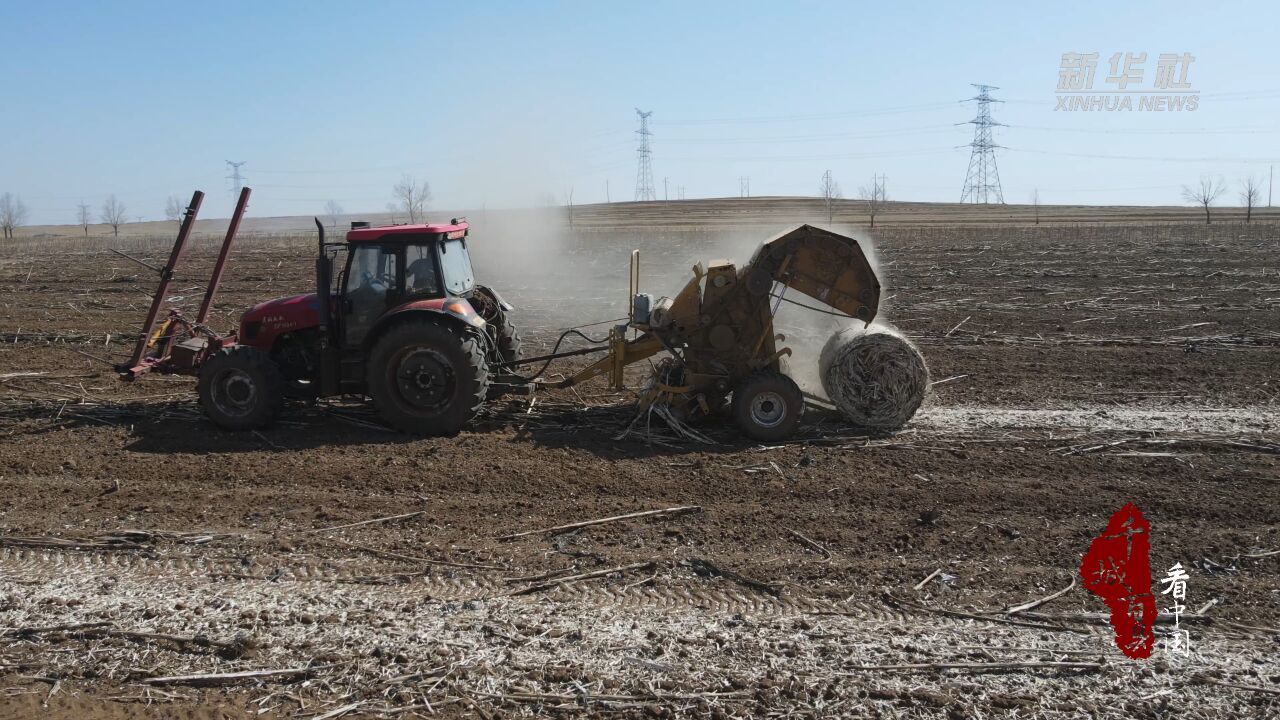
<point>262,323</point>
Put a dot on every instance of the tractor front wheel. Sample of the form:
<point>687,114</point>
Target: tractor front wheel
<point>241,388</point>
<point>427,379</point>
<point>767,406</point>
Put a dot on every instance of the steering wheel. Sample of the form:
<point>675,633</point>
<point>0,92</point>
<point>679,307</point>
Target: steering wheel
<point>371,280</point>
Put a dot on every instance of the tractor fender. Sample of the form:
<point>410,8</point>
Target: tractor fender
<point>455,313</point>
<point>502,303</point>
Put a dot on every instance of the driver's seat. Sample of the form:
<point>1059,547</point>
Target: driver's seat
<point>423,271</point>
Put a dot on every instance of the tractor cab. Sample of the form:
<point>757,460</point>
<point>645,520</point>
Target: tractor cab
<point>403,267</point>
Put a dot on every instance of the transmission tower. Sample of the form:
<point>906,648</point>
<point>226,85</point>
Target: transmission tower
<point>644,169</point>
<point>237,180</point>
<point>982,182</point>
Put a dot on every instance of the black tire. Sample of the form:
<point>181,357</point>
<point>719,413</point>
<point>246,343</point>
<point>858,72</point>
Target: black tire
<point>241,388</point>
<point>767,406</point>
<point>510,348</point>
<point>427,379</point>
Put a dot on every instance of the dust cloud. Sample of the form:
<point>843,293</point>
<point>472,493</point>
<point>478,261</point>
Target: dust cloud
<point>560,277</point>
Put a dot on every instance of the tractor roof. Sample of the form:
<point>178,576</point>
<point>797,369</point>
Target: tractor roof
<point>446,230</point>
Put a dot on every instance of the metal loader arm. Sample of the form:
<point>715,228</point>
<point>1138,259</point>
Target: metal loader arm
<point>828,267</point>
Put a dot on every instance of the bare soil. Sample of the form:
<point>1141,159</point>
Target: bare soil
<point>1077,369</point>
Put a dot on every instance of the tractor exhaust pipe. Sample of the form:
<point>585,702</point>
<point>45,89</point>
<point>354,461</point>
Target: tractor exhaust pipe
<point>328,335</point>
<point>323,280</point>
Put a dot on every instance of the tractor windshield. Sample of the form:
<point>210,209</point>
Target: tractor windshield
<point>455,264</point>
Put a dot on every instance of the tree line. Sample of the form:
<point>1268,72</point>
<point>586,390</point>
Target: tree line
<point>14,212</point>
<point>410,198</point>
<point>1206,192</point>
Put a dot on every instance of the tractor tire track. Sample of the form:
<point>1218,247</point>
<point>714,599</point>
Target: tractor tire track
<point>672,594</point>
<point>663,593</point>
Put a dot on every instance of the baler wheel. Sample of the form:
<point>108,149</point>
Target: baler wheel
<point>241,388</point>
<point>427,379</point>
<point>767,406</point>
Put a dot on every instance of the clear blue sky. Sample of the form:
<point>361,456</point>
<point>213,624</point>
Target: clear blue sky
<point>501,103</point>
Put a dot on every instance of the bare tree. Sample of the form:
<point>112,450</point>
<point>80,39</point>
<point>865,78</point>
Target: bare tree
<point>412,198</point>
<point>84,216</point>
<point>830,191</point>
<point>394,211</point>
<point>874,196</point>
<point>173,209</point>
<point>1250,194</point>
<point>334,211</point>
<point>113,214</point>
<point>1035,203</point>
<point>1204,194</point>
<point>13,213</point>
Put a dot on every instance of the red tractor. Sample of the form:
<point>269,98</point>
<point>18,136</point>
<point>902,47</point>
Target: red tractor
<point>402,322</point>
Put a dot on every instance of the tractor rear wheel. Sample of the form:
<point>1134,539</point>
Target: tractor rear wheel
<point>427,379</point>
<point>241,388</point>
<point>767,406</point>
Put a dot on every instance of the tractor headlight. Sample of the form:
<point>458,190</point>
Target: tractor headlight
<point>462,309</point>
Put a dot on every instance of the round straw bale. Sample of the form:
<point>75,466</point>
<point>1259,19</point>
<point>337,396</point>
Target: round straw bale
<point>875,377</point>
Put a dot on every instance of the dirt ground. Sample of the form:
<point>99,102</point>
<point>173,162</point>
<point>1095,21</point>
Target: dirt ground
<point>1076,369</point>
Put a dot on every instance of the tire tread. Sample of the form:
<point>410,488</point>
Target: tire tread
<point>453,419</point>
<point>253,360</point>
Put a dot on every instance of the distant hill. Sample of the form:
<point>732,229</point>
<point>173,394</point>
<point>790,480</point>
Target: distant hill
<point>710,212</point>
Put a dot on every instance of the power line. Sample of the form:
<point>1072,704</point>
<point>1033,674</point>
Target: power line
<point>982,181</point>
<point>1259,130</point>
<point>862,135</point>
<point>818,116</point>
<point>644,166</point>
<point>1149,158</point>
<point>342,171</point>
<point>824,156</point>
